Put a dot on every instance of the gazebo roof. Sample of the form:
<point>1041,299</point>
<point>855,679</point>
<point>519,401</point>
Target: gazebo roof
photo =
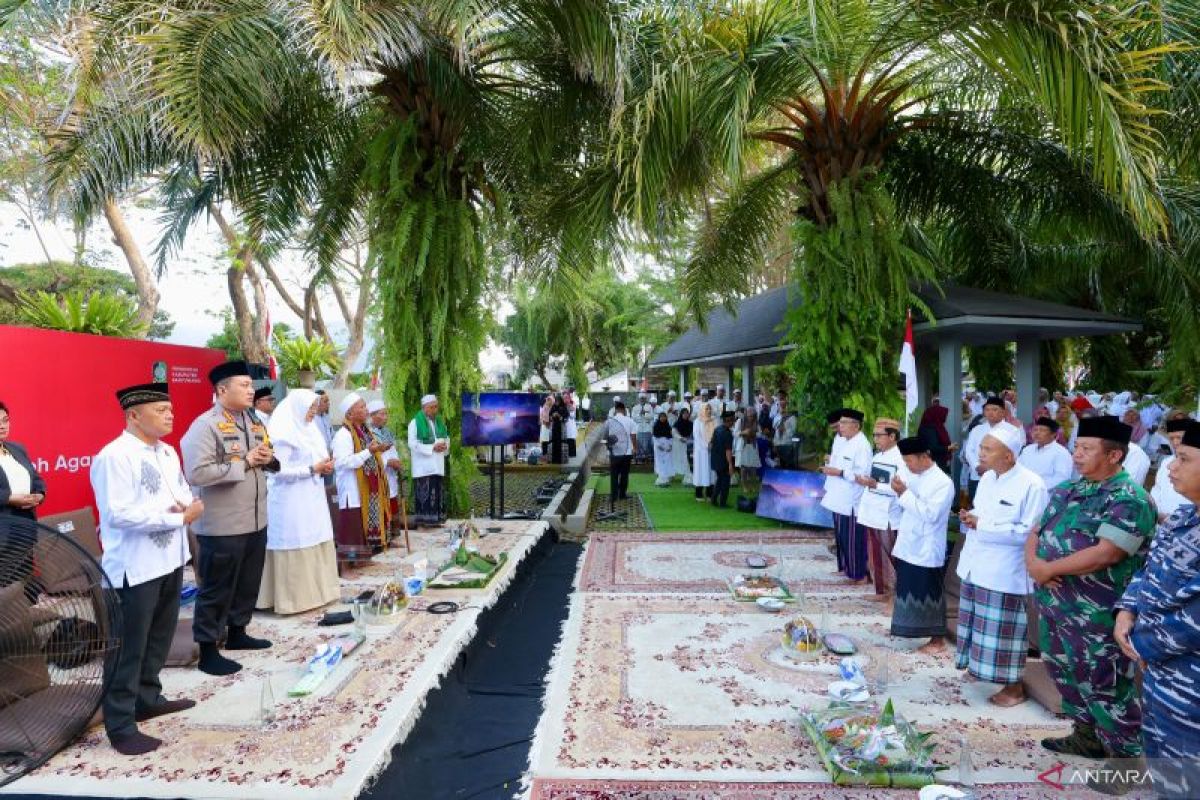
<point>756,330</point>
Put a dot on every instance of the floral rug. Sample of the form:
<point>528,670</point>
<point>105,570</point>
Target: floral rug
<point>652,692</point>
<point>703,562</point>
<point>326,745</point>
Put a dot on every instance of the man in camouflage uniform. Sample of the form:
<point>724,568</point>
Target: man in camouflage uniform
<point>1092,538</point>
<point>1159,626</point>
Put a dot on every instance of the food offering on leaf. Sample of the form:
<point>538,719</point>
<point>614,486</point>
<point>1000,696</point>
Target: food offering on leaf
<point>866,747</point>
<point>749,588</point>
<point>801,639</point>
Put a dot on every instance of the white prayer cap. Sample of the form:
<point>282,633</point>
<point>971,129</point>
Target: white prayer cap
<point>1010,436</point>
<point>348,402</point>
<point>653,398</point>
<point>720,386</point>
<point>641,394</point>
<point>427,399</point>
<point>687,394</point>
<point>671,393</point>
<point>376,405</point>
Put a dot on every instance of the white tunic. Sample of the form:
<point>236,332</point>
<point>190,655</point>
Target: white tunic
<point>853,457</point>
<point>622,427</point>
<point>1137,464</point>
<point>1166,499</point>
<point>679,458</point>
<point>970,453</point>
<point>1008,506</point>
<point>137,487</point>
<point>345,462</point>
<point>702,474</point>
<point>1052,462</point>
<point>643,417</point>
<point>879,508</point>
<point>425,461</point>
<point>297,509</point>
<point>664,463</point>
<point>19,479</point>
<point>921,535</point>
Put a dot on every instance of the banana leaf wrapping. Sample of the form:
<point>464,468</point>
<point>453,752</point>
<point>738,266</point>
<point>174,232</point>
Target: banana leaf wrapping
<point>485,566</point>
<point>862,746</point>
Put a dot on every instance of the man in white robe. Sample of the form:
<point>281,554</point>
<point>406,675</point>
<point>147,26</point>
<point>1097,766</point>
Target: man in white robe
<point>643,420</point>
<point>994,412</point>
<point>1166,499</point>
<point>360,473</point>
<point>1137,464</point>
<point>428,446</point>
<point>849,457</point>
<point>1046,457</point>
<point>878,508</point>
<point>394,467</point>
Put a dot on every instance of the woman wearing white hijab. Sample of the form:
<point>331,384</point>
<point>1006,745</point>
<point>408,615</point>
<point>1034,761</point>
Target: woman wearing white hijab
<point>301,568</point>
<point>702,475</point>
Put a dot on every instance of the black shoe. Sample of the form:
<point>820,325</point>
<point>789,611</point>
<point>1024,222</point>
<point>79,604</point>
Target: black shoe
<point>238,639</point>
<point>213,663</point>
<point>1082,741</point>
<point>135,744</point>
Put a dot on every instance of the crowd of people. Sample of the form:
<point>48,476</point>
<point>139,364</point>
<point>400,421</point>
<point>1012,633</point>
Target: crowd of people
<point>1062,519</point>
<point>703,440</point>
<point>275,497</point>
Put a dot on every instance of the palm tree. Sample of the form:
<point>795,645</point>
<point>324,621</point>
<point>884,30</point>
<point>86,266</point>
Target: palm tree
<point>893,139</point>
<point>430,122</point>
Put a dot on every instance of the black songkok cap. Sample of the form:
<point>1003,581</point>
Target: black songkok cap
<point>1046,422</point>
<point>265,391</point>
<point>1177,425</point>
<point>229,369</point>
<point>994,401</point>
<point>854,414</point>
<point>834,416</point>
<point>1107,427</point>
<point>912,446</point>
<point>142,393</point>
<point>1191,434</point>
<point>728,415</point>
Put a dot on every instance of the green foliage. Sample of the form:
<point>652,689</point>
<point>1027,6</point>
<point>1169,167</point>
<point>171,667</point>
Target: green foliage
<point>100,314</point>
<point>59,277</point>
<point>227,338</point>
<point>298,354</point>
<point>992,366</point>
<point>847,322</point>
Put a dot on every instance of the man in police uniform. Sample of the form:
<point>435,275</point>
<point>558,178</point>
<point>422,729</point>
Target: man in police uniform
<point>226,455</point>
<point>1092,538</point>
<point>1159,627</point>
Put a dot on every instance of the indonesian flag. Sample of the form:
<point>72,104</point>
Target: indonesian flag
<point>375,380</point>
<point>908,367</point>
<point>271,362</point>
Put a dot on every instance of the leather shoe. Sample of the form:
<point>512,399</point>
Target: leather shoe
<point>134,744</point>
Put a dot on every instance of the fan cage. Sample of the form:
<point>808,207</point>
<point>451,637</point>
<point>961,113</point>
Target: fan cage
<point>60,625</point>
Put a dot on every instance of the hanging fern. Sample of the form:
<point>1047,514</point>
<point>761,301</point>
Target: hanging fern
<point>424,236</point>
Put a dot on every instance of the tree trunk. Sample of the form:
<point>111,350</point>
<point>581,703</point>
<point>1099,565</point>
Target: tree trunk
<point>147,290</point>
<point>358,325</point>
<point>250,334</point>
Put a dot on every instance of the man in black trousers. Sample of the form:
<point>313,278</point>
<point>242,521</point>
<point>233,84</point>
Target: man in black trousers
<point>620,432</point>
<point>721,454</point>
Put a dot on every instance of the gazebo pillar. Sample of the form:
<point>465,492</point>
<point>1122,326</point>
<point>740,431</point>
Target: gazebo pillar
<point>748,381</point>
<point>1029,374</point>
<point>950,383</point>
<point>682,382</point>
<point>924,373</point>
<point>729,382</point>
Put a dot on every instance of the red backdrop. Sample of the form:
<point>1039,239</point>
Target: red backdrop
<point>59,389</point>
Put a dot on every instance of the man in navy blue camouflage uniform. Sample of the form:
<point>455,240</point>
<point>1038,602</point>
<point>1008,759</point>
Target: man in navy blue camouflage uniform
<point>1159,627</point>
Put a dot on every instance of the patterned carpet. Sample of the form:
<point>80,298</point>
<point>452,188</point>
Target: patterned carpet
<point>326,745</point>
<point>685,693</point>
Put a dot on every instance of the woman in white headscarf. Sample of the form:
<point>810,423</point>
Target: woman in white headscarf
<point>301,568</point>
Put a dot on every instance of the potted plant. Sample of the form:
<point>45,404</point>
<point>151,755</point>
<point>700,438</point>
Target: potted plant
<point>310,358</point>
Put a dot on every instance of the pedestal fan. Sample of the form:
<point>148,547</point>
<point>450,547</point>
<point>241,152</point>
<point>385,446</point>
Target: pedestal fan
<point>59,629</point>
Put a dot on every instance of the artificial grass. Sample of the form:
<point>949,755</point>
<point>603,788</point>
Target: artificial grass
<point>674,507</point>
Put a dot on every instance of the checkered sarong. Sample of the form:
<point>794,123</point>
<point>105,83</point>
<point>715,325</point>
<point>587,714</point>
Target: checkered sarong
<point>991,634</point>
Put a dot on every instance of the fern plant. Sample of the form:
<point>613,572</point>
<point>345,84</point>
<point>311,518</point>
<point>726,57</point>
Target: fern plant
<point>307,355</point>
<point>77,312</point>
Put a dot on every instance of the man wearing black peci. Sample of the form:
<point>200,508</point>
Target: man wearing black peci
<point>721,453</point>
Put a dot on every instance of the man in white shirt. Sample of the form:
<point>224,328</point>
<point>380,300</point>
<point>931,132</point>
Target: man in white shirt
<point>643,418</point>
<point>621,434</point>
<point>1166,499</point>
<point>428,446</point>
<point>849,457</point>
<point>264,403</point>
<point>993,414</point>
<point>919,555</point>
<point>993,626</point>
<point>360,472</point>
<point>670,407</point>
<point>145,507</point>
<point>1046,457</point>
<point>700,401</point>
<point>879,509</point>
<point>1137,464</point>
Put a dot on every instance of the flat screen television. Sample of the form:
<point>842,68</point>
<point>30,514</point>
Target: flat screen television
<point>793,496</point>
<point>500,418</point>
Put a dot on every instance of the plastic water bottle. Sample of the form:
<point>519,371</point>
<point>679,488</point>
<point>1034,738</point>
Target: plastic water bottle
<point>266,702</point>
<point>966,769</point>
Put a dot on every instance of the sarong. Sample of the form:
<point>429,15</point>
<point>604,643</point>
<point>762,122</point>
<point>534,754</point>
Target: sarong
<point>879,558</point>
<point>992,634</point>
<point>350,537</point>
<point>427,501</point>
<point>920,608</point>
<point>851,541</point>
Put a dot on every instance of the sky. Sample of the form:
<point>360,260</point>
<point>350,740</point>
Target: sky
<point>193,289</point>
